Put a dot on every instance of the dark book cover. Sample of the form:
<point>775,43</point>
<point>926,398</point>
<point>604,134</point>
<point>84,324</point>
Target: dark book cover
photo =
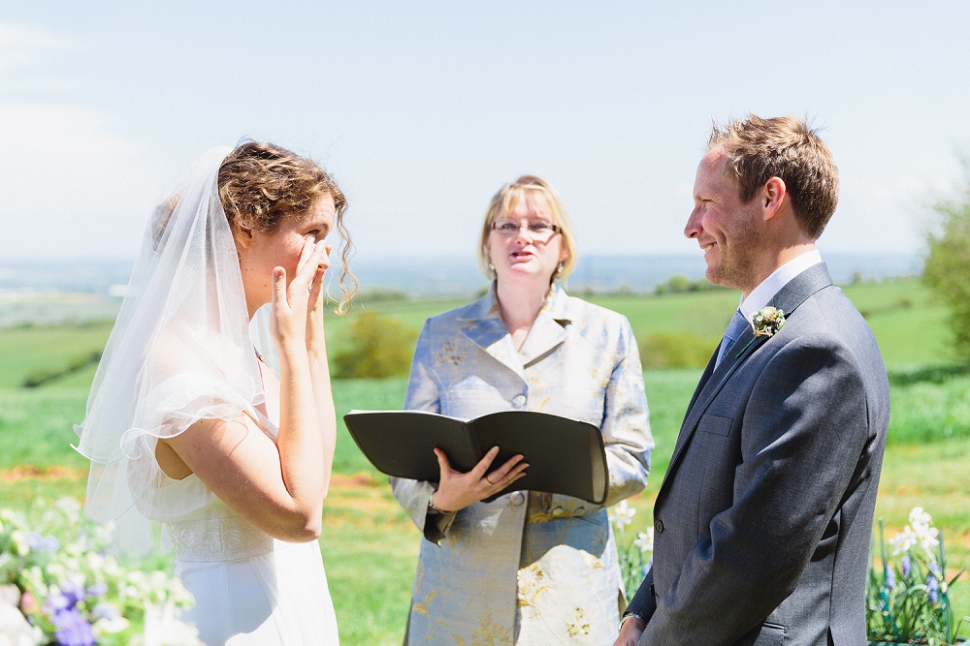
<point>565,456</point>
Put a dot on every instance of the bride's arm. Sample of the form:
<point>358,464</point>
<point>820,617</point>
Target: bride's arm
<point>316,349</point>
<point>278,487</point>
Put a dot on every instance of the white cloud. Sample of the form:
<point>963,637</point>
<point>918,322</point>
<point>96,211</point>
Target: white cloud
<point>70,185</point>
<point>25,46</point>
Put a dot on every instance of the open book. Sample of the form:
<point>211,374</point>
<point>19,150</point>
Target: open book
<point>565,456</point>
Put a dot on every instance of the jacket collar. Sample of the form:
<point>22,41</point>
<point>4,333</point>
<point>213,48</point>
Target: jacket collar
<point>788,299</point>
<point>481,323</point>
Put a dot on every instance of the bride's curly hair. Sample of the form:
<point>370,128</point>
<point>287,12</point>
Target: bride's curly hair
<point>261,184</point>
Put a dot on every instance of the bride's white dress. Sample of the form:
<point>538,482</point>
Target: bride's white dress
<point>249,588</point>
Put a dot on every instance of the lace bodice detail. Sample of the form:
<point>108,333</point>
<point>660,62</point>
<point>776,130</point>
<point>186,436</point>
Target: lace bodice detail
<point>217,539</point>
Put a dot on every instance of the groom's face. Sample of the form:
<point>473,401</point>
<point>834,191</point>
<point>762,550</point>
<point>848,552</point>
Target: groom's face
<point>730,232</point>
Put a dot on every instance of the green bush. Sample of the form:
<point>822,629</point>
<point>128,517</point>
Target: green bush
<point>947,269</point>
<point>373,347</point>
<point>929,405</point>
<point>676,350</point>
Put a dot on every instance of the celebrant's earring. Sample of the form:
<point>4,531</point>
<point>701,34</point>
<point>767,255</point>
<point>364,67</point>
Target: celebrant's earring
<point>562,265</point>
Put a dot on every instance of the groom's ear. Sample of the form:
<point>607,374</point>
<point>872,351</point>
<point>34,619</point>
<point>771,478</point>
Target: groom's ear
<point>773,196</point>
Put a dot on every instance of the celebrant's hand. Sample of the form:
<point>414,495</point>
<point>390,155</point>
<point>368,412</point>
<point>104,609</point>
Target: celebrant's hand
<point>457,490</point>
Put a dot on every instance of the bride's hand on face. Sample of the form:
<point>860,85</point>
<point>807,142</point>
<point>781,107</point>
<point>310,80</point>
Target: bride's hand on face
<point>314,320</point>
<point>293,304</point>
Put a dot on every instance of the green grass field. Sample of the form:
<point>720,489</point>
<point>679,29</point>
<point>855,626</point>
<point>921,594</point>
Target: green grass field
<point>369,544</point>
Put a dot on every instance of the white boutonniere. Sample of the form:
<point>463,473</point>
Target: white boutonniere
<point>767,321</point>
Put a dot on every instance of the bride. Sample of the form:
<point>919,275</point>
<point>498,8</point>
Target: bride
<point>186,425</point>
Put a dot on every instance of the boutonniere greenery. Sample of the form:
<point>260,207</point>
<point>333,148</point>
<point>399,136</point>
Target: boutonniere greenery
<point>767,321</point>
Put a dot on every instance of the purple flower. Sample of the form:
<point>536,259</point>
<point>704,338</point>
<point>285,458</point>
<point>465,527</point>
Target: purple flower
<point>41,543</point>
<point>905,565</point>
<point>72,629</point>
<point>97,589</point>
<point>68,597</point>
<point>105,611</point>
<point>890,579</point>
<point>73,591</point>
<point>932,588</point>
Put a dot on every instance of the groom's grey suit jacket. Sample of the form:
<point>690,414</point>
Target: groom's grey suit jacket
<point>764,519</point>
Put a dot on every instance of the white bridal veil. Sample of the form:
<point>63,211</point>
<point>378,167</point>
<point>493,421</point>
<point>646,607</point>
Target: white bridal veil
<point>180,351</point>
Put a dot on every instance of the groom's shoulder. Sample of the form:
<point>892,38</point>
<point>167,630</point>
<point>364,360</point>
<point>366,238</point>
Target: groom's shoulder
<point>829,318</point>
<point>832,310</point>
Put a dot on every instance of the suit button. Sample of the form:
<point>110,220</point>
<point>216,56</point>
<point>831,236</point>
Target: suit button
<point>518,498</point>
<point>518,401</point>
<point>658,526</point>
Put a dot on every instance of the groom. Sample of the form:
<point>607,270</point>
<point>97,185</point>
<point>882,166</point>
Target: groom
<point>763,522</point>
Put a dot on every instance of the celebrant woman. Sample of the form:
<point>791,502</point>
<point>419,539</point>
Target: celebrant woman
<point>527,568</point>
<point>186,425</point>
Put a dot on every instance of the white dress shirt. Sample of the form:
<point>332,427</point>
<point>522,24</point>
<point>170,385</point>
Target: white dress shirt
<point>771,285</point>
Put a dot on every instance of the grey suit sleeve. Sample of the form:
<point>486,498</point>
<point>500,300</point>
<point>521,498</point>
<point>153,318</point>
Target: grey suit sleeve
<point>423,394</point>
<point>643,603</point>
<point>802,434</point>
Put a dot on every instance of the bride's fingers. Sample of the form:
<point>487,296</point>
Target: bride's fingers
<point>316,286</point>
<point>279,288</point>
<point>309,264</point>
<point>308,248</point>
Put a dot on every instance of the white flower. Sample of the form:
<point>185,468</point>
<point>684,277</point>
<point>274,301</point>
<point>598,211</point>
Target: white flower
<point>927,538</point>
<point>644,540</point>
<point>767,321</point>
<point>918,517</point>
<point>922,531</point>
<point>903,541</point>
<point>163,628</point>
<point>108,620</point>
<point>14,628</point>
<point>930,540</point>
<point>71,509</point>
<point>622,515</point>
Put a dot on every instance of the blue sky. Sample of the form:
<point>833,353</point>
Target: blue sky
<point>422,110</point>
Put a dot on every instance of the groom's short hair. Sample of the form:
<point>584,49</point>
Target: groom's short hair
<point>758,149</point>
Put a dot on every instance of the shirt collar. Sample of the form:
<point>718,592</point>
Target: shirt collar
<point>771,285</point>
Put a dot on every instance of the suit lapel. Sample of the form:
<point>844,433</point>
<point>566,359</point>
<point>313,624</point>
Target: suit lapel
<point>787,299</point>
<point>481,323</point>
<point>546,335</point>
<point>549,330</point>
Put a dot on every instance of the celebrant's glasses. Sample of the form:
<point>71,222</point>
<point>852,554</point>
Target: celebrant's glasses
<point>539,230</point>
